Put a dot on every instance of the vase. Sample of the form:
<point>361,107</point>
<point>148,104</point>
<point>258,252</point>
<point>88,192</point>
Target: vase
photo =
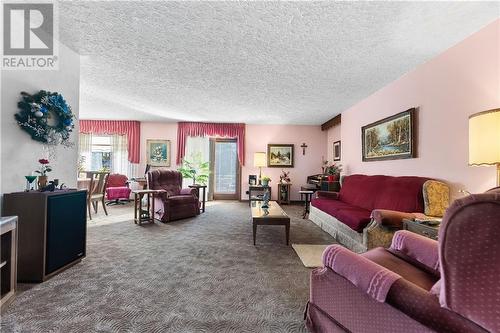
<point>265,182</point>
<point>331,178</point>
<point>42,181</point>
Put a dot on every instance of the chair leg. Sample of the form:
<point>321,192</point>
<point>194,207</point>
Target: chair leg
<point>104,207</point>
<point>88,206</point>
<point>96,206</point>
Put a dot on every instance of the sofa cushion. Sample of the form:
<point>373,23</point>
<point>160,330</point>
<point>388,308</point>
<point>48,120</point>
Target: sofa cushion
<point>409,272</point>
<point>384,192</point>
<point>354,217</point>
<point>182,199</point>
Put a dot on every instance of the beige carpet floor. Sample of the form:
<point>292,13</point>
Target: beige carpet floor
<point>196,275</point>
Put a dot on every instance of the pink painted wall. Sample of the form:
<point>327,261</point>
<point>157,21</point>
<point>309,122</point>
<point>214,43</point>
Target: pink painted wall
<point>463,80</point>
<point>257,138</point>
<point>333,134</point>
<point>158,131</point>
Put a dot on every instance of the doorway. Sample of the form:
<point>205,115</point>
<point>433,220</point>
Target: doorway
<point>226,169</point>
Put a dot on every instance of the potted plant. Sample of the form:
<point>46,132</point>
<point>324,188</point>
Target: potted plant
<point>333,171</point>
<point>195,169</point>
<point>44,168</point>
<point>265,180</point>
<point>284,177</point>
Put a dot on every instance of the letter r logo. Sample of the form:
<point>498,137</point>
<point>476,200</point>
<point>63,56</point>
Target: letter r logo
<point>28,29</point>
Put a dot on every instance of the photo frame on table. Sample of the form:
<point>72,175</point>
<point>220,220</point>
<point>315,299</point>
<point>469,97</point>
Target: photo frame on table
<point>158,153</point>
<point>336,150</point>
<point>390,138</point>
<point>280,155</point>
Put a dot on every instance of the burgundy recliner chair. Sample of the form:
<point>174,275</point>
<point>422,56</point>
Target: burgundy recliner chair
<point>418,284</point>
<point>172,202</point>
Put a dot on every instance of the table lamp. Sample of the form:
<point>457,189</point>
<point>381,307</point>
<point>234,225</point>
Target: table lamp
<point>259,160</point>
<point>484,139</point>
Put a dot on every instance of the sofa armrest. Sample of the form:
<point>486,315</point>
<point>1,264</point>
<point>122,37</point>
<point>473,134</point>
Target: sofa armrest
<point>187,191</point>
<point>422,249</point>
<point>368,276</point>
<point>390,218</point>
<point>327,195</point>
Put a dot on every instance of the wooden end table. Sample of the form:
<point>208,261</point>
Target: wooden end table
<point>284,193</point>
<point>257,188</point>
<point>144,215</point>
<point>430,231</point>
<point>306,196</point>
<point>197,187</point>
<point>273,215</point>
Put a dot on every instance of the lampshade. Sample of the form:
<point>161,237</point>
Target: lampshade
<point>259,160</point>
<point>484,138</point>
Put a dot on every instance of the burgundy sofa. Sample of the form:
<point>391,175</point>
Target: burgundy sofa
<point>172,202</point>
<point>369,209</point>
<point>418,284</point>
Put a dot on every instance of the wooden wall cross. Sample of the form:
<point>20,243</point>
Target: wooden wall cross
<point>304,146</point>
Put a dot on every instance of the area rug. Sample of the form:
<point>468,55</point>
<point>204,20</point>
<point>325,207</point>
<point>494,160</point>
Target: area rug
<point>310,255</point>
<point>201,274</point>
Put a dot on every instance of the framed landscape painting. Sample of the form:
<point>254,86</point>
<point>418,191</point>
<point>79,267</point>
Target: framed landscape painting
<point>280,155</point>
<point>390,138</point>
<point>158,153</point>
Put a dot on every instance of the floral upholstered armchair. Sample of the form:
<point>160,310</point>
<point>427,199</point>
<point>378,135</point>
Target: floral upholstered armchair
<point>172,202</point>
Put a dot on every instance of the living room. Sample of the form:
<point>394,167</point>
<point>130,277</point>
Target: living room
<point>250,166</point>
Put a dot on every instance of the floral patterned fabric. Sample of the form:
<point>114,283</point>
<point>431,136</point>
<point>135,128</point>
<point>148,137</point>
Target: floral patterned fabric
<point>436,198</point>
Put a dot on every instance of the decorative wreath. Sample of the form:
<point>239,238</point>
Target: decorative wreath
<point>46,117</point>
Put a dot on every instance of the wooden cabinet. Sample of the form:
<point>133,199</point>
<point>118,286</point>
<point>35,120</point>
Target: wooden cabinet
<point>8,260</point>
<point>284,193</point>
<point>52,230</point>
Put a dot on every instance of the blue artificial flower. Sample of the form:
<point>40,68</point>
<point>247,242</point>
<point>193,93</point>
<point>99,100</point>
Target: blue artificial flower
<point>67,122</point>
<point>43,109</point>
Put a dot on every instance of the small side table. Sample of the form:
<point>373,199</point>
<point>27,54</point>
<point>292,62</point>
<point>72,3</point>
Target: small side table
<point>284,193</point>
<point>197,187</point>
<point>257,188</point>
<point>306,196</point>
<point>144,215</point>
<point>430,231</point>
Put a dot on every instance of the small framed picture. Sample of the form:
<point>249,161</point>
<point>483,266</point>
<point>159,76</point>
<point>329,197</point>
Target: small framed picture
<point>252,179</point>
<point>336,151</point>
<point>280,155</point>
<point>158,153</point>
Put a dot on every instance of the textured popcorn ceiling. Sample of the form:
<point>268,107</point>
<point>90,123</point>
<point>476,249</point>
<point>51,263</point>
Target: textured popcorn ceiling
<point>253,62</point>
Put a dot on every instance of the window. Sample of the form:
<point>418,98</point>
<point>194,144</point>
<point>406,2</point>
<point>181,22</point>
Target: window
<point>101,157</point>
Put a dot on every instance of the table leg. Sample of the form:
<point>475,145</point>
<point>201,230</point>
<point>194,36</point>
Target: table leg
<point>203,202</point>
<point>153,208</point>
<point>249,198</point>
<point>287,227</point>
<point>135,208</point>
<point>254,232</point>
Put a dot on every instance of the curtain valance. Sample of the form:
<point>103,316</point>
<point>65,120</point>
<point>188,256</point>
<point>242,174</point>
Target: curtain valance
<point>222,130</point>
<point>132,129</point>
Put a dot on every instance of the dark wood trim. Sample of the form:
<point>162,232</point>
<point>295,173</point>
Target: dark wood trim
<point>414,137</point>
<point>337,120</point>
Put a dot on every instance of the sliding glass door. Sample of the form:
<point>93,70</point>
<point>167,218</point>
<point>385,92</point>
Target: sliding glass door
<point>226,169</point>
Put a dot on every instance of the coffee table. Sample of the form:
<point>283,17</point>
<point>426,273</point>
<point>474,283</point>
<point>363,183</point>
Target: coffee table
<point>273,215</point>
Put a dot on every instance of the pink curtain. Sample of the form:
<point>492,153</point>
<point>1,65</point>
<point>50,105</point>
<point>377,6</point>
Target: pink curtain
<point>221,130</point>
<point>132,129</point>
